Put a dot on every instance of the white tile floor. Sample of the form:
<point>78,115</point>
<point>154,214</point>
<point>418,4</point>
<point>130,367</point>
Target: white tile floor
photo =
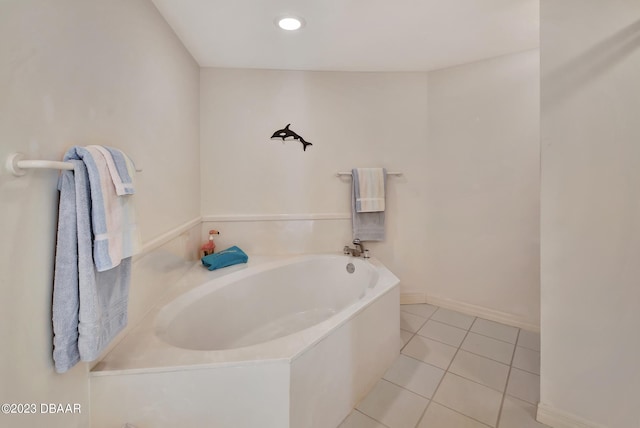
<point>455,371</point>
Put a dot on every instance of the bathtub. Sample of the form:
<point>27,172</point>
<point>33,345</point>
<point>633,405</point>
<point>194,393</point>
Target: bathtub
<point>279,342</point>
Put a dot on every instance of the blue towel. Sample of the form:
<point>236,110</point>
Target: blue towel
<point>115,232</point>
<point>89,307</point>
<point>125,171</point>
<point>230,256</point>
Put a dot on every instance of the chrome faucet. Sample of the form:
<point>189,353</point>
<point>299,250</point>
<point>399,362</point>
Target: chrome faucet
<point>358,251</point>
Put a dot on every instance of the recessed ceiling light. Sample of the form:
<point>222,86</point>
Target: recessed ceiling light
<point>290,23</point>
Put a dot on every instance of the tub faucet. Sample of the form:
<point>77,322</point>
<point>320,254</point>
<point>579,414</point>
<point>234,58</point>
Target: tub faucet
<point>358,251</point>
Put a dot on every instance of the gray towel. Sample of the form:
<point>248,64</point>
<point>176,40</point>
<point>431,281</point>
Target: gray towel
<point>89,307</point>
<point>367,226</point>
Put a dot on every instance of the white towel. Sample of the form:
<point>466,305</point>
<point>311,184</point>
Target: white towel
<point>122,172</point>
<point>370,189</point>
<point>367,226</point>
<point>116,235</point>
<point>121,169</point>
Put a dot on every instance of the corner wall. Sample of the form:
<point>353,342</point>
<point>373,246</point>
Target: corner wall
<point>78,72</point>
<point>590,221</point>
<point>462,223</point>
<point>291,199</point>
<point>482,188</point>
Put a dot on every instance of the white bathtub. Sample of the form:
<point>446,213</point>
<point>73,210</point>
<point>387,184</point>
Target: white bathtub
<point>280,342</point>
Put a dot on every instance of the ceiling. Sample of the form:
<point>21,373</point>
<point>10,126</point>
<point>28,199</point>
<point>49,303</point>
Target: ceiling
<point>352,35</point>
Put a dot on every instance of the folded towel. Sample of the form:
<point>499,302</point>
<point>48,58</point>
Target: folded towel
<point>121,169</point>
<point>116,235</point>
<point>230,256</point>
<point>89,306</point>
<point>122,172</point>
<point>366,226</point>
<point>369,189</point>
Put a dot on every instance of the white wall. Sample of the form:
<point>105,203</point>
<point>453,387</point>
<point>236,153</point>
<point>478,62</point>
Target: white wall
<point>482,183</point>
<point>462,224</point>
<point>590,221</point>
<point>82,72</point>
<point>352,120</point>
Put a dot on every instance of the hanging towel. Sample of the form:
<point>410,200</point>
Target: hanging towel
<point>368,225</point>
<point>116,235</point>
<point>66,298</point>
<point>89,306</point>
<point>369,188</point>
<point>230,256</point>
<point>121,169</point>
<point>122,172</point>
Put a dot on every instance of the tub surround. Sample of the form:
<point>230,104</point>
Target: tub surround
<point>161,264</point>
<point>143,351</point>
<point>287,234</point>
<point>359,343</point>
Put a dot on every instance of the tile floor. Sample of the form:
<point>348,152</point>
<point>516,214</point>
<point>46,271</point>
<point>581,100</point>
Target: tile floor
<point>455,371</point>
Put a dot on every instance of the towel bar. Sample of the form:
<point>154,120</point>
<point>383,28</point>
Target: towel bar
<point>349,173</point>
<point>16,164</point>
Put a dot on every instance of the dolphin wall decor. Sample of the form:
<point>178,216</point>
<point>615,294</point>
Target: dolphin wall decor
<point>286,132</point>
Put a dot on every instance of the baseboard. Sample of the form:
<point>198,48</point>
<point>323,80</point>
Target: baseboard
<point>560,419</point>
<point>412,298</point>
<point>469,309</point>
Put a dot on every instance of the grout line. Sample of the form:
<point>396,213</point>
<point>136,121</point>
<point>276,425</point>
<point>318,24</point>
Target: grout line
<point>530,349</point>
<point>408,390</point>
<point>526,347</point>
<point>399,386</point>
<point>418,316</point>
<point>484,356</point>
<point>520,368</point>
<point>466,416</point>
<point>410,339</point>
<point>439,341</point>
<point>435,391</point>
<point>374,419</point>
<point>430,400</point>
<point>513,355</point>
<point>460,347</point>
<point>480,383</point>
<point>423,362</point>
<point>475,318</point>
<point>444,373</point>
<point>495,338</point>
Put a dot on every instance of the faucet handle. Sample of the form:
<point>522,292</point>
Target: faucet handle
<point>346,249</point>
<point>357,241</point>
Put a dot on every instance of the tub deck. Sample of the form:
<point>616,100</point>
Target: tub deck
<point>311,378</point>
<point>141,350</point>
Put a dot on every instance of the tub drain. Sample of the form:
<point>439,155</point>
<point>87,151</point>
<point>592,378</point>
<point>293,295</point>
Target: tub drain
<point>351,268</point>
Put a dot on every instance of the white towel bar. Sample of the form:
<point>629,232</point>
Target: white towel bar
<point>349,173</point>
<point>17,165</point>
